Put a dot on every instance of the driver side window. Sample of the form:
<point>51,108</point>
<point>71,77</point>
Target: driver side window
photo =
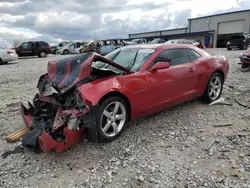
<point>173,56</point>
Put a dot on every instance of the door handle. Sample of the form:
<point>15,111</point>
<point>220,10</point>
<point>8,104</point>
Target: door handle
<point>191,70</point>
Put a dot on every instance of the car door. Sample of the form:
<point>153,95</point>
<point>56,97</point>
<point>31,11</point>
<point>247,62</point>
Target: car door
<point>175,84</point>
<point>26,49</point>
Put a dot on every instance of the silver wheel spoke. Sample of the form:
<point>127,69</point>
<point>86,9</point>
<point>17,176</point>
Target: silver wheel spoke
<point>120,116</point>
<point>214,93</point>
<point>216,87</point>
<point>114,125</point>
<point>107,114</point>
<point>107,126</point>
<point>216,81</point>
<point>211,92</point>
<point>117,105</point>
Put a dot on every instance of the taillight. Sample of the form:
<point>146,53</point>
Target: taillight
<point>9,52</point>
<point>48,46</point>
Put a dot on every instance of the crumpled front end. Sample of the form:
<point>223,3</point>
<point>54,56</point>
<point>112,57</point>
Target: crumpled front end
<point>56,121</point>
<point>244,59</point>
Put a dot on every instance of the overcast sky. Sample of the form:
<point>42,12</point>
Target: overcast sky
<point>56,20</point>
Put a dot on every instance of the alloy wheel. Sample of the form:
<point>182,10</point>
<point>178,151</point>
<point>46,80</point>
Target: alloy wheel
<point>215,88</point>
<point>113,119</point>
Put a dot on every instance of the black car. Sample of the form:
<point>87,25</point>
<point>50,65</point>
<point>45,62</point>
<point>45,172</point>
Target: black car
<point>241,42</point>
<point>33,48</point>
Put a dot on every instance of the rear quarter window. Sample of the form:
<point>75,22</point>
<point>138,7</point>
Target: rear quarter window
<point>43,44</point>
<point>193,55</point>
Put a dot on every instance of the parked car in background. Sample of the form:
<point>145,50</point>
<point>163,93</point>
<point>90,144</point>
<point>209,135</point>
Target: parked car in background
<point>99,95</point>
<point>245,59</point>
<point>78,50</point>
<point>107,46</point>
<point>53,49</point>
<point>102,47</point>
<point>200,45</point>
<point>6,54</point>
<point>69,48</point>
<point>241,42</point>
<point>33,48</point>
<point>185,41</point>
<point>157,41</point>
<point>136,41</point>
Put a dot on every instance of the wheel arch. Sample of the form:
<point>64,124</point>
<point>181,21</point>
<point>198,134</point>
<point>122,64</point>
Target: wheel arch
<point>221,73</point>
<point>117,94</point>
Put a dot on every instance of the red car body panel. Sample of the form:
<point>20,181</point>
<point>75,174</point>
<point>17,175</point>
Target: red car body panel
<point>146,91</point>
<point>149,92</point>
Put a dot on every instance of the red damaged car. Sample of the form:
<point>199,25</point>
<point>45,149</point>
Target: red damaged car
<point>94,96</point>
<point>245,59</point>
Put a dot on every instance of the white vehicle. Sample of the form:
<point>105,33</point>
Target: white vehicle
<point>77,50</point>
<point>69,48</point>
<point>6,54</point>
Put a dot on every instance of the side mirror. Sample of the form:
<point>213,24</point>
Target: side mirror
<point>160,65</point>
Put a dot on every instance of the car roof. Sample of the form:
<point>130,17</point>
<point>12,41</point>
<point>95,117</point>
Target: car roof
<point>157,46</point>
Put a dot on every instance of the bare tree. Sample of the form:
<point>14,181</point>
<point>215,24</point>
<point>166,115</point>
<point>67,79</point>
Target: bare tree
<point>16,42</point>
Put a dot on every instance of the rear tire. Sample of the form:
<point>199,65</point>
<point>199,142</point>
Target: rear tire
<point>42,54</point>
<point>243,66</point>
<point>228,48</point>
<point>65,52</point>
<point>111,122</point>
<point>214,88</point>
<point>1,62</point>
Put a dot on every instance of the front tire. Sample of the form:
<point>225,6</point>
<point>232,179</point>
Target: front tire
<point>112,117</point>
<point>1,62</point>
<point>228,48</point>
<point>214,88</point>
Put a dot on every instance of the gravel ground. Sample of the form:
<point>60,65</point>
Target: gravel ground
<point>168,149</point>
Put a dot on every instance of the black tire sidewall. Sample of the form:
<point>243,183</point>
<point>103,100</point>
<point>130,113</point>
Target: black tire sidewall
<point>1,62</point>
<point>65,52</point>
<point>102,106</point>
<point>206,96</point>
<point>243,66</point>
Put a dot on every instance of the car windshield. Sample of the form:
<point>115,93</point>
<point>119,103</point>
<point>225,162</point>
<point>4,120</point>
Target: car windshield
<point>130,58</point>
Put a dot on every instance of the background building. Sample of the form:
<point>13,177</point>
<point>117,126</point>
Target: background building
<point>213,30</point>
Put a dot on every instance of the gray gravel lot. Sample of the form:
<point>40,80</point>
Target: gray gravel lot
<point>167,149</point>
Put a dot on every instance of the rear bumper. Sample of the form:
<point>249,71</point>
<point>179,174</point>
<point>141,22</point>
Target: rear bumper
<point>12,57</point>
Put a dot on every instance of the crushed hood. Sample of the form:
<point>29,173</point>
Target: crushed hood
<point>65,73</point>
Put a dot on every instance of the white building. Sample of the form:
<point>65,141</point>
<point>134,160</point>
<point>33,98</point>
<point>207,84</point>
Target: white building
<point>213,30</point>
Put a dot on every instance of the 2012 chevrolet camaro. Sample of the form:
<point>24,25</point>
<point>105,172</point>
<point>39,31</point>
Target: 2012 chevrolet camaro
<point>96,96</point>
